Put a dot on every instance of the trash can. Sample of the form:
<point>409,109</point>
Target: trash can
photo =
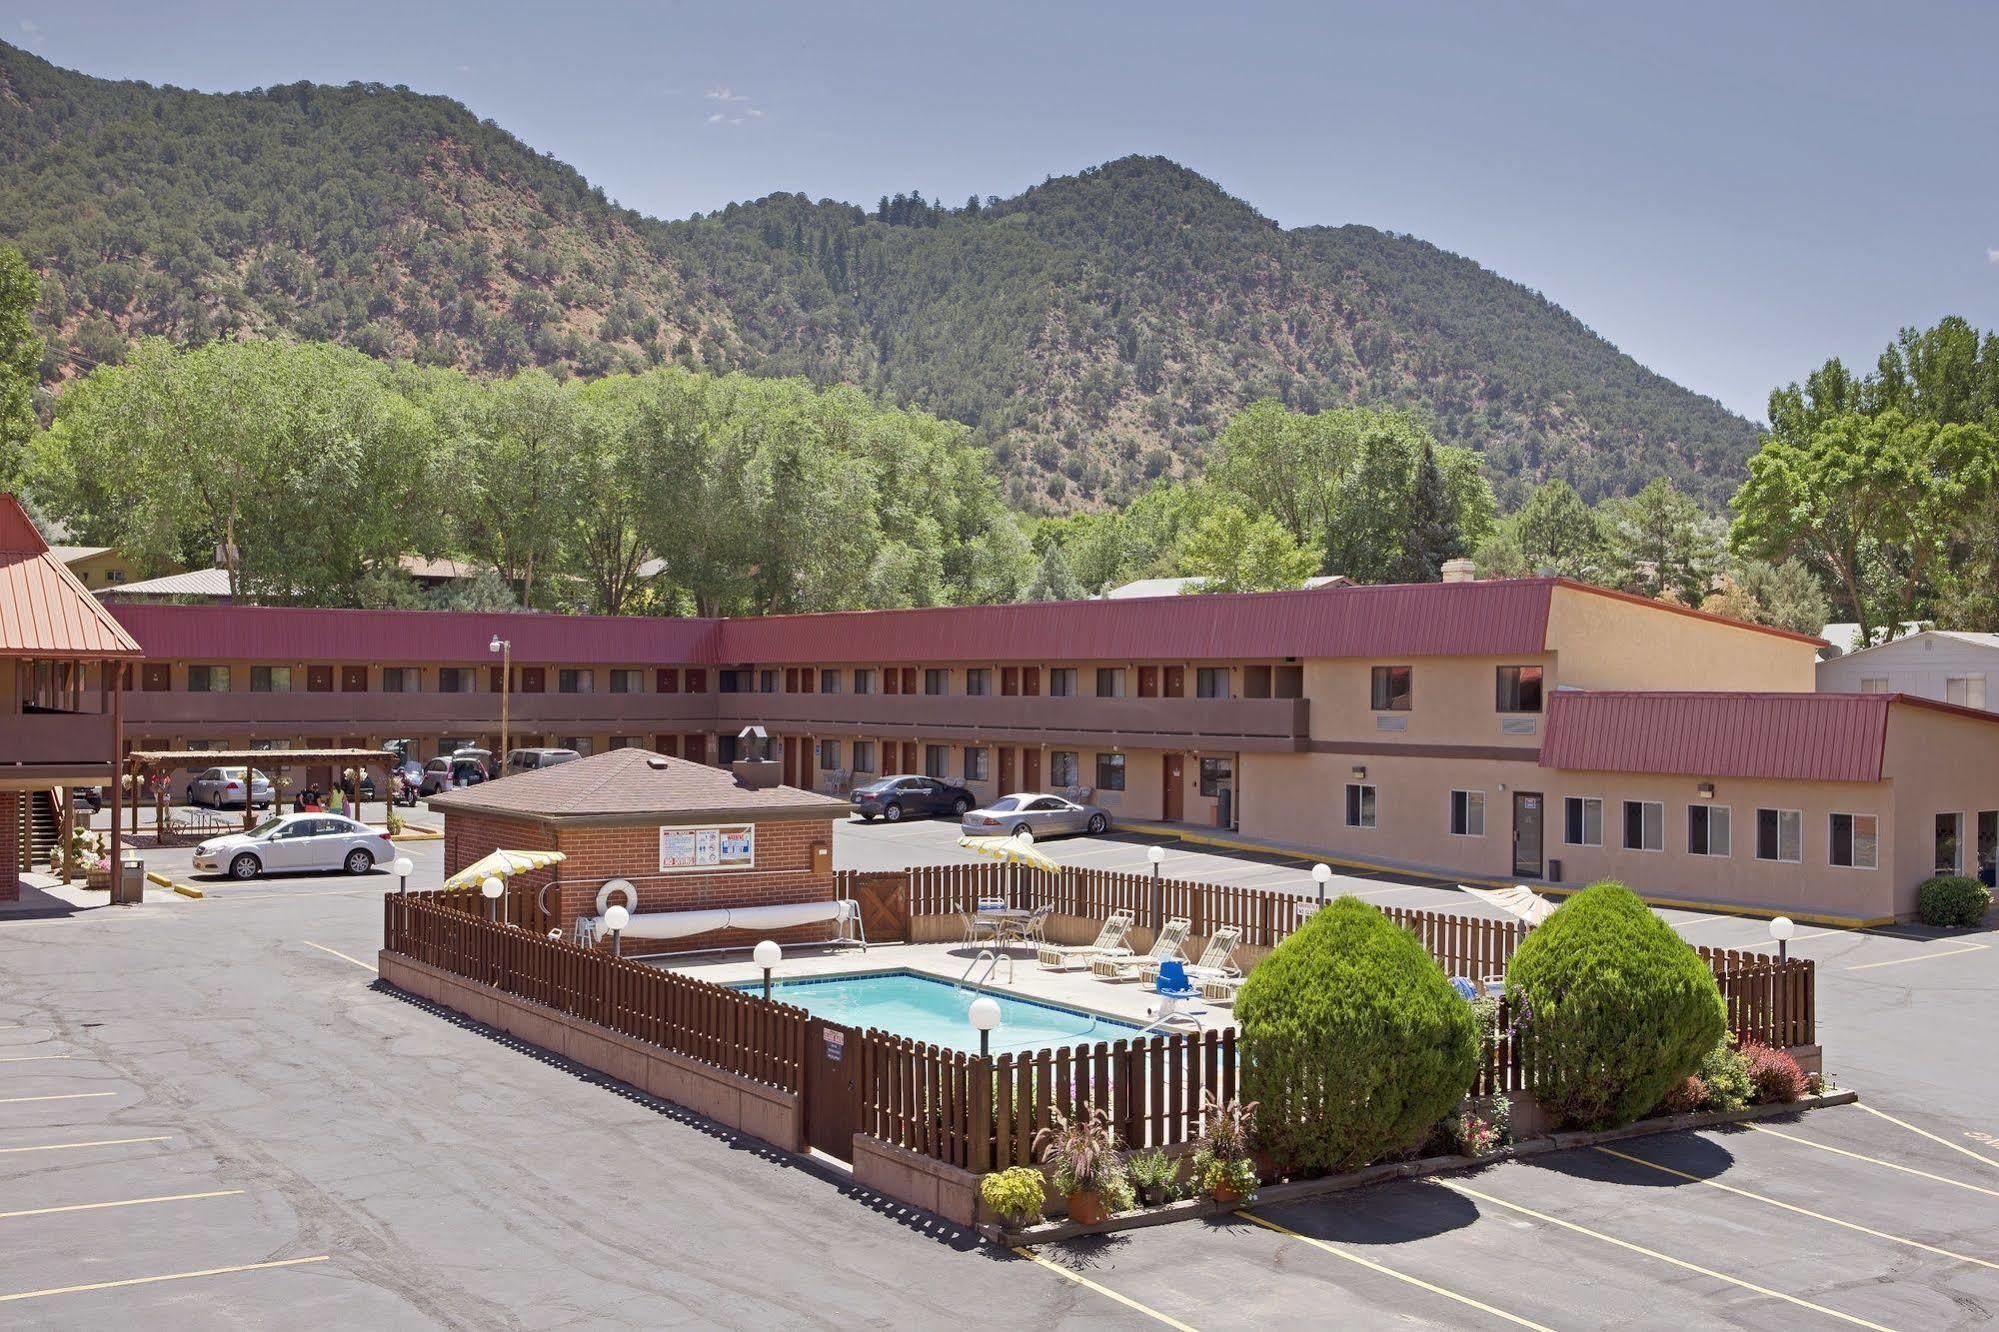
<point>1223,803</point>
<point>129,885</point>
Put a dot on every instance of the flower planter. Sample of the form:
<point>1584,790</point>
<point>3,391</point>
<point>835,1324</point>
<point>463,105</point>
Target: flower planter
<point>1225,1194</point>
<point>98,877</point>
<point>1087,1209</point>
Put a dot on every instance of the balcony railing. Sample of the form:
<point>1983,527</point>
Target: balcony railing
<point>380,713</point>
<point>56,742</point>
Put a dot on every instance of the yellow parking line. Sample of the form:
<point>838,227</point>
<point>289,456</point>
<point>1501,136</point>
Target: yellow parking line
<point>167,1276</point>
<point>1945,1142</point>
<point>97,1142</point>
<point>1373,1266</point>
<point>122,1202</point>
<point>1874,1160</point>
<point>1923,957</point>
<point>29,1059</point>
<point>1083,1281</point>
<point>1662,1257</point>
<point>65,1096</point>
<point>365,966</point>
<point>1801,1211</point>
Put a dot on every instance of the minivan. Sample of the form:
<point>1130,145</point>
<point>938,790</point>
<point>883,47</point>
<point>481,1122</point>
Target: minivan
<point>529,760</point>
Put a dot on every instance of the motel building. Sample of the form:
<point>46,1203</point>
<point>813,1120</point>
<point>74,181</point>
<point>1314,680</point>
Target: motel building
<point>1519,729</point>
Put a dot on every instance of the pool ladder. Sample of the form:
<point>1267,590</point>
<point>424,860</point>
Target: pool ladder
<point>992,961</point>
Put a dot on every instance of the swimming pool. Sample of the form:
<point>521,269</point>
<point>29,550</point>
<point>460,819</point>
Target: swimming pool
<point>935,1012</point>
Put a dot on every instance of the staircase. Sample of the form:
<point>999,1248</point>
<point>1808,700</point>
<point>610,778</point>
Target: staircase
<point>41,828</point>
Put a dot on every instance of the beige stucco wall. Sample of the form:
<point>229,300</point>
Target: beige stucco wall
<point>1451,702</point>
<point>1937,763</point>
<point>1605,642</point>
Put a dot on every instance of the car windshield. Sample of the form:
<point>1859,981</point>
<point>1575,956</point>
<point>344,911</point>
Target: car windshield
<point>266,828</point>
<point>1004,803</point>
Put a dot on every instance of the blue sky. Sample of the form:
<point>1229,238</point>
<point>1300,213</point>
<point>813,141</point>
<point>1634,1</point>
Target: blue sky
<point>1731,193</point>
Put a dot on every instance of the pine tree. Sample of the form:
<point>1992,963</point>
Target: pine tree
<point>1054,580</point>
<point>1433,534</point>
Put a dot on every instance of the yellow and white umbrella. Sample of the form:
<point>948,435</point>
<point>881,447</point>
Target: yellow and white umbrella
<point>1010,850</point>
<point>501,865</point>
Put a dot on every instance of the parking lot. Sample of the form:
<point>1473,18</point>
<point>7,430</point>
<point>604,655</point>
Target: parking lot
<point>210,1114</point>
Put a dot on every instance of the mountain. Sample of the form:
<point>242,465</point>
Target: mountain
<point>1096,331</point>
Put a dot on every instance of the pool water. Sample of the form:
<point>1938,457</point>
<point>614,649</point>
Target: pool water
<point>935,1012</point>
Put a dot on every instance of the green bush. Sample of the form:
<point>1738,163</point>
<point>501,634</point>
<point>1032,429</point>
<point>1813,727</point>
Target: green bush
<point>1617,1008</point>
<point>1016,1194</point>
<point>1353,1042</point>
<point>1725,1072</point>
<point>1953,900</point>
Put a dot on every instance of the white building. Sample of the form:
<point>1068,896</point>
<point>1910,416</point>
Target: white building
<point>1961,668</point>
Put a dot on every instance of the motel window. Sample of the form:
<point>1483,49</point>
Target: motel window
<point>1582,821</point>
<point>767,681</point>
<point>1644,825</point>
<point>624,742</point>
<point>575,681</point>
<point>579,743</point>
<point>829,755</point>
<point>1210,682</point>
<point>1062,682</point>
<point>1950,843</point>
<point>1780,835</point>
<point>936,760</point>
<point>936,681</point>
<point>401,680</point>
<point>829,682</point>
<point>1856,841</point>
<point>270,679</point>
<point>1392,688</point>
<point>454,680</point>
<point>1110,682</point>
<point>1518,689</point>
<point>978,681</point>
<point>1110,772</point>
<point>864,680</point>
<point>1967,691</point>
<point>625,681</point>
<point>1215,774</point>
<point>1360,805</point>
<point>1467,813</point>
<point>208,679</point>
<point>1874,684</point>
<point>729,682</point>
<point>1988,845</point>
<point>864,756</point>
<point>977,760</point>
<point>1708,830</point>
<point>1062,767</point>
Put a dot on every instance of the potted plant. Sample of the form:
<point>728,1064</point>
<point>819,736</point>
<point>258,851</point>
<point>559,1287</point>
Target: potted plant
<point>1015,1195</point>
<point>1089,1166</point>
<point>1224,1166</point>
<point>88,852</point>
<point>1153,1174</point>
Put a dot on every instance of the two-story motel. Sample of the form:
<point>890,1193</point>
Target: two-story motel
<point>1529,728</point>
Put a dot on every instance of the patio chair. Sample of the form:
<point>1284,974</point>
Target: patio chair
<point>1122,964</point>
<point>980,929</point>
<point>1059,957</point>
<point>1032,930</point>
<point>1217,959</point>
<point>1221,989</point>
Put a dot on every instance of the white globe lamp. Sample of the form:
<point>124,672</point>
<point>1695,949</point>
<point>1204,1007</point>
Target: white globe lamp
<point>985,1016</point>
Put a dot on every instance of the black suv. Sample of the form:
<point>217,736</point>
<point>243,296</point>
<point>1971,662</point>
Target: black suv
<point>893,797</point>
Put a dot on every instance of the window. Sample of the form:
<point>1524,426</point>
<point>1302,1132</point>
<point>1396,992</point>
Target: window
<point>1215,774</point>
<point>1780,835</point>
<point>627,681</point>
<point>1519,689</point>
<point>767,681</point>
<point>829,755</point>
<point>1582,821</point>
<point>1391,691</point>
<point>979,681</point>
<point>1467,813</point>
<point>1360,805</point>
<point>1209,682</point>
<point>936,681</point>
<point>579,743</point>
<point>1062,682</point>
<point>976,763</point>
<point>1874,684</point>
<point>864,756</point>
<point>1856,841</point>
<point>270,679</point>
<point>208,679</point>
<point>1110,682</point>
<point>729,682</point>
<point>1967,691</point>
<point>401,680</point>
<point>454,679</point>
<point>1644,825</point>
<point>575,682</point>
<point>1950,843</point>
<point>829,682</point>
<point>1110,772</point>
<point>864,680</point>
<point>1708,830</point>
<point>1062,767</point>
<point>936,760</point>
<point>624,742</point>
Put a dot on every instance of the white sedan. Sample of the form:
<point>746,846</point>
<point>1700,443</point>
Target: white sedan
<point>296,843</point>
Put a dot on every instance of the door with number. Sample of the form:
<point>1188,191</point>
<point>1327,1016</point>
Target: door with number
<point>832,1088</point>
<point>1527,813</point>
<point>1006,786</point>
<point>1030,768</point>
<point>1173,788</point>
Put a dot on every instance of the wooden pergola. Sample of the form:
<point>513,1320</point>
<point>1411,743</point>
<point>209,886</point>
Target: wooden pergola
<point>156,763</point>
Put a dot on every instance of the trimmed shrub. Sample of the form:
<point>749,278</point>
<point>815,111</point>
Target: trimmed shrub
<point>1016,1194</point>
<point>1353,1042</point>
<point>1725,1071</point>
<point>1617,1008</point>
<point>1953,900</point>
<point>1774,1076</point>
<point>1687,1096</point>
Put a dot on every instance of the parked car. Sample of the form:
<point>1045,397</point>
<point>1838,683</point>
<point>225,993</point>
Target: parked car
<point>90,798</point>
<point>892,798</point>
<point>218,787</point>
<point>529,760</point>
<point>1036,812</point>
<point>447,774</point>
<point>296,842</point>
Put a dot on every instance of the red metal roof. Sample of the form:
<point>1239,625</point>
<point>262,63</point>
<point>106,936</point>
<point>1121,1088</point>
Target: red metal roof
<point>44,610</point>
<point>1806,737</point>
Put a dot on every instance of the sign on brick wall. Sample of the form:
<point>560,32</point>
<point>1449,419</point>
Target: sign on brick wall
<point>729,846</point>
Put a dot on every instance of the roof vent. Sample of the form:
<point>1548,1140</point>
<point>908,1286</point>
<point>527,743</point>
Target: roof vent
<point>1460,570</point>
<point>657,762</point>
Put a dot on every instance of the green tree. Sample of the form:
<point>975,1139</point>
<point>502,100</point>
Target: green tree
<point>1235,552</point>
<point>1787,594</point>
<point>1054,580</point>
<point>20,363</point>
<point>1560,533</point>
<point>1662,545</point>
<point>1432,535</point>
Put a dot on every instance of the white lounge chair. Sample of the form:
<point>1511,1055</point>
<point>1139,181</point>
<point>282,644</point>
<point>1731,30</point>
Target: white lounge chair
<point>1122,964</point>
<point>1059,957</point>
<point>1217,959</point>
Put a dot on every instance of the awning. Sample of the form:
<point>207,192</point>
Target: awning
<point>501,865</point>
<point>1013,850</point>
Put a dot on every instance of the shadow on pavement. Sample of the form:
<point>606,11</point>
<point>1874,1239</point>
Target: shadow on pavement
<point>1393,1213</point>
<point>1688,1153</point>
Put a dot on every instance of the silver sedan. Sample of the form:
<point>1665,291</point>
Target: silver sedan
<point>296,842</point>
<point>1036,812</point>
<point>224,786</point>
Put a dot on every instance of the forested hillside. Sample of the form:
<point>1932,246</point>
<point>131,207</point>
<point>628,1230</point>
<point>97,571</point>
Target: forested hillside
<point>1097,332</point>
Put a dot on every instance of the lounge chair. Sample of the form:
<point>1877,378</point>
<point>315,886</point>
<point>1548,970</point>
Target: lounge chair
<point>1058,957</point>
<point>1217,959</point>
<point>1221,989</point>
<point>1122,964</point>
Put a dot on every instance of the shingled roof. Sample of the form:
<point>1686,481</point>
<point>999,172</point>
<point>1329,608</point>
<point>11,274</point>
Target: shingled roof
<point>636,786</point>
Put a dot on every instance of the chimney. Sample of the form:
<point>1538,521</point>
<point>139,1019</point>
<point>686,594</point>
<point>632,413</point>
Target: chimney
<point>1460,570</point>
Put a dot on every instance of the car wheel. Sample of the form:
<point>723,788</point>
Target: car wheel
<point>959,806</point>
<point>245,866</point>
<point>359,861</point>
<point>893,813</point>
<point>1098,823</point>
<point>867,818</point>
<point>1021,830</point>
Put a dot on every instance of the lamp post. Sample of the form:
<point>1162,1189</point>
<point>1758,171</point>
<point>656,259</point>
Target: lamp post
<point>492,888</point>
<point>615,919</point>
<point>1322,874</point>
<point>505,647</point>
<point>1781,929</point>
<point>767,955</point>
<point>985,1015</point>
<point>1157,855</point>
<point>403,868</point>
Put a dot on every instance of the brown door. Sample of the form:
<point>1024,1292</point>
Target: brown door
<point>353,679</point>
<point>1030,680</point>
<point>909,759</point>
<point>832,1088</point>
<point>1173,788</point>
<point>1176,681</point>
<point>1527,821</point>
<point>1030,768</point>
<point>1006,770</point>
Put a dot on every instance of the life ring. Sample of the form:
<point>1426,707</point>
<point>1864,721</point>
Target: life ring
<point>617,886</point>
